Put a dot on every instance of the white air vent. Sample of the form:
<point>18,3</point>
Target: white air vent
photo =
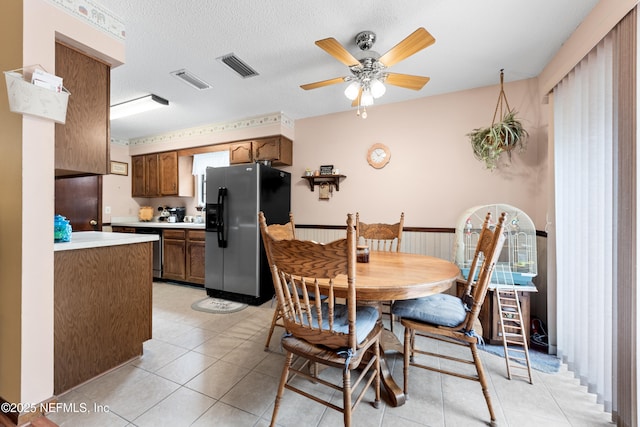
<point>191,80</point>
<point>237,65</point>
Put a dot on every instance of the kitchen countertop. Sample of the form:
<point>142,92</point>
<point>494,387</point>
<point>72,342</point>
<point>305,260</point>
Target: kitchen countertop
<point>159,224</point>
<point>96,239</point>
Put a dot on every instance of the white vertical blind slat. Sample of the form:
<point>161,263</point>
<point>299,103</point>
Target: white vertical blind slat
<point>583,121</point>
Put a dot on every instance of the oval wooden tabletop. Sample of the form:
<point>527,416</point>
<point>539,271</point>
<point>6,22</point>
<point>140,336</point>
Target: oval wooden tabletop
<point>397,276</point>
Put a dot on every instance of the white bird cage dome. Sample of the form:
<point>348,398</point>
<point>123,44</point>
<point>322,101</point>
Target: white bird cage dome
<point>517,264</point>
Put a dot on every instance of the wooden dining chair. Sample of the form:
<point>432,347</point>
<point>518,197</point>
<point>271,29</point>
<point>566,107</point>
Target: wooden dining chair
<point>278,232</point>
<point>320,330</point>
<point>451,319</point>
<point>381,237</point>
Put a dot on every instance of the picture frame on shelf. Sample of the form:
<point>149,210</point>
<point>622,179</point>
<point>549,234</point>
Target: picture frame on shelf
<point>326,170</point>
<point>119,168</point>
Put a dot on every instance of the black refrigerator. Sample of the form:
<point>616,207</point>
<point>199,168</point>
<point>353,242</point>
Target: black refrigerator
<point>235,262</point>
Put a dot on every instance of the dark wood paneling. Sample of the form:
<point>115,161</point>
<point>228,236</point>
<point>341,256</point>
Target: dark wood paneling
<point>82,143</point>
<point>102,300</point>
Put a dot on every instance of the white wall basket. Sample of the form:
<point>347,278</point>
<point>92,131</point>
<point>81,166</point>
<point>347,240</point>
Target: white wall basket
<point>27,98</point>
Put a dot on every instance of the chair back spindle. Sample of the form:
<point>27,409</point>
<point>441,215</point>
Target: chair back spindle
<point>379,236</point>
<point>488,249</point>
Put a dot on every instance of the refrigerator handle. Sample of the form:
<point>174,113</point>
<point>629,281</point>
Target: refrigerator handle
<point>221,229</point>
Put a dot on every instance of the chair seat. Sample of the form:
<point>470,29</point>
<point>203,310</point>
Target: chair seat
<point>440,309</point>
<point>325,355</point>
<point>366,318</point>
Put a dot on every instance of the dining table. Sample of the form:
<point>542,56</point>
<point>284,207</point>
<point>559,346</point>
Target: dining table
<point>397,276</point>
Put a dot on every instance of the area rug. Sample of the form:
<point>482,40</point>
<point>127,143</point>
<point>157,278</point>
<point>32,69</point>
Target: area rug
<point>217,305</point>
<point>543,362</point>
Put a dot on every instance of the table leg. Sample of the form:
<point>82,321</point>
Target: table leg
<point>395,393</point>
<point>390,342</point>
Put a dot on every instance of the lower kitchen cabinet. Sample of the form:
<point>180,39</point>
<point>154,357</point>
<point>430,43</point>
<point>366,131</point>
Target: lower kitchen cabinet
<point>195,256</point>
<point>174,254</point>
<point>182,253</point>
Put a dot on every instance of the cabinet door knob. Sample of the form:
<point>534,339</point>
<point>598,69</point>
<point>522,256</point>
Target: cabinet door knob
<point>93,222</point>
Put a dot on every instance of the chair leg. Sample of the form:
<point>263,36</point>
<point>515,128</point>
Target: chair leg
<point>276,316</point>
<point>376,382</point>
<point>346,397</point>
<point>407,354</point>
<point>283,380</point>
<point>483,380</point>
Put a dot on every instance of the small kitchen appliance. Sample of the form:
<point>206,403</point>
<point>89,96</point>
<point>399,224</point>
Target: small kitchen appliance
<point>178,212</point>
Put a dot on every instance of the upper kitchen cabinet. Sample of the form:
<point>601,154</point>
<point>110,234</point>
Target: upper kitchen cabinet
<point>161,174</point>
<point>168,176</point>
<point>82,143</point>
<point>278,149</point>
<point>240,152</point>
<point>144,176</point>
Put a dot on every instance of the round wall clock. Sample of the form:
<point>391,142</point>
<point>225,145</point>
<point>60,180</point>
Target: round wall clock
<point>378,155</point>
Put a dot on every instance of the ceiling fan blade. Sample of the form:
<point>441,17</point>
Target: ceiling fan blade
<point>322,83</point>
<point>335,49</point>
<point>415,42</point>
<point>407,81</point>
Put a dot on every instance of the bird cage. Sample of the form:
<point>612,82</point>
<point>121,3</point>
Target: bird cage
<point>517,263</point>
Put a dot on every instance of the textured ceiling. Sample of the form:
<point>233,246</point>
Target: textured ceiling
<point>474,40</point>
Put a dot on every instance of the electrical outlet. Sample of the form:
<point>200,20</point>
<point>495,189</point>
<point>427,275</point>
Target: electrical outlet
<point>107,210</point>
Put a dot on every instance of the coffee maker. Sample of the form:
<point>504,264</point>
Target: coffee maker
<point>178,212</point>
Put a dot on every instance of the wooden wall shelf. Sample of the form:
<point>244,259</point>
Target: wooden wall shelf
<point>319,179</point>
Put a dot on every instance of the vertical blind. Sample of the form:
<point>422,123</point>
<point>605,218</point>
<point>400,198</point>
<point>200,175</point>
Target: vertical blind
<point>584,172</point>
<point>595,169</point>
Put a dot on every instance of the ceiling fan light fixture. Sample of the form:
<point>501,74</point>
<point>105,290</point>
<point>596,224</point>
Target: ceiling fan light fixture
<point>352,91</point>
<point>367,98</point>
<point>377,88</point>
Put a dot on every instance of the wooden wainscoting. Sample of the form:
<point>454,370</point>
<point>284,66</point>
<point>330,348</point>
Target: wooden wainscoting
<point>438,243</point>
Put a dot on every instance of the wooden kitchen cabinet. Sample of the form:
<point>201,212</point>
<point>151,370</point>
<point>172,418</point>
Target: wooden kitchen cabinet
<point>82,143</point>
<point>174,254</point>
<point>144,176</point>
<point>168,173</point>
<point>240,152</point>
<point>278,149</point>
<point>195,256</point>
<point>120,229</point>
<point>151,176</point>
<point>102,310</point>
<point>161,174</point>
<point>138,177</point>
<point>183,254</point>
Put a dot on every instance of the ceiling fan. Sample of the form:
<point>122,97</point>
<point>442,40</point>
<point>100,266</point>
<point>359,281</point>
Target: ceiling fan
<point>370,72</point>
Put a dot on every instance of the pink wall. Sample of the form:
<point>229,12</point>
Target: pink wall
<point>432,176</point>
<point>44,23</point>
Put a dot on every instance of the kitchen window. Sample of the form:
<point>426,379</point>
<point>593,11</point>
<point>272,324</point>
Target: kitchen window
<point>200,164</point>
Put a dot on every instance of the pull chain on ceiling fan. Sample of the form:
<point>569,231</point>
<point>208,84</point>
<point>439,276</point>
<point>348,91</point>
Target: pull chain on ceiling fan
<point>369,74</point>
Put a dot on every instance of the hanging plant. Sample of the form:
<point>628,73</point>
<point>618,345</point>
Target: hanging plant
<point>489,143</point>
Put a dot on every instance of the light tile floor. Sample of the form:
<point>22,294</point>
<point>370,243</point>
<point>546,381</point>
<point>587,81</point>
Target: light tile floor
<point>203,369</point>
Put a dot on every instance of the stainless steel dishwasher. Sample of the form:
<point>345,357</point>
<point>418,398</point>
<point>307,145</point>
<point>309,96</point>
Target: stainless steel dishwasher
<point>157,249</point>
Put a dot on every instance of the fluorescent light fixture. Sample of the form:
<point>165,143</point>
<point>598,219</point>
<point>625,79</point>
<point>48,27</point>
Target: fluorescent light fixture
<point>138,105</point>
